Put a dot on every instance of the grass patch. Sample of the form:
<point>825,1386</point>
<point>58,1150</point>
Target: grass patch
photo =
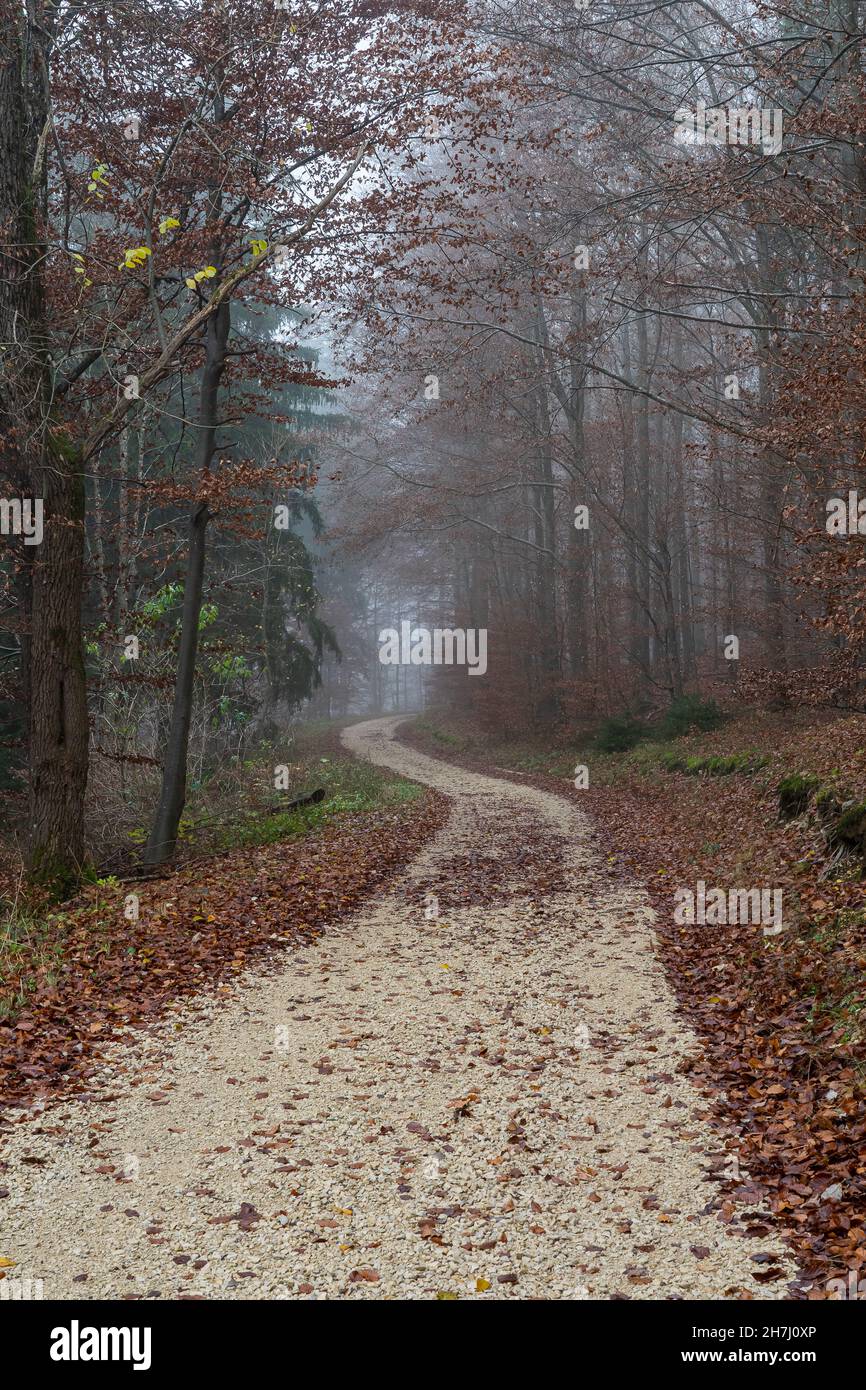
<point>375,791</point>
<point>31,952</point>
<point>433,732</point>
<point>715,765</point>
<point>795,793</point>
<point>240,806</point>
<point>238,810</point>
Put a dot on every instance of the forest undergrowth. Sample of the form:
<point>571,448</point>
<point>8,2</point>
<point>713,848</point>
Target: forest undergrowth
<point>253,880</point>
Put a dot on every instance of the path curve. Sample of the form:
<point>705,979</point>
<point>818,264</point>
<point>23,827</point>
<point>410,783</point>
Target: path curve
<point>483,1103</point>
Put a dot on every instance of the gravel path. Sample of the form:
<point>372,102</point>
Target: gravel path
<point>479,1104</point>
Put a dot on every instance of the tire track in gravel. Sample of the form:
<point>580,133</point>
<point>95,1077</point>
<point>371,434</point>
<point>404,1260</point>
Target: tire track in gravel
<point>483,1105</point>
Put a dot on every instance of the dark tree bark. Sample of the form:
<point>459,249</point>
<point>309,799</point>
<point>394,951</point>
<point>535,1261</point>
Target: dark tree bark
<point>163,836</point>
<point>42,462</point>
<point>643,645</point>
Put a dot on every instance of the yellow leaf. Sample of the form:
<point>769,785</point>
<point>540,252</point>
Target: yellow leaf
<point>481,1285</point>
<point>190,283</point>
<point>6,1264</point>
<point>134,256</point>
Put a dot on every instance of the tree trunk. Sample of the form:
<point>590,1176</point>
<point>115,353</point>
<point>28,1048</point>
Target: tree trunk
<point>642,521</point>
<point>579,549</point>
<point>41,464</point>
<point>163,836</point>
<point>59,730</point>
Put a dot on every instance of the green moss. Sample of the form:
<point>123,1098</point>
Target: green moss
<point>58,875</point>
<point>718,765</point>
<point>850,828</point>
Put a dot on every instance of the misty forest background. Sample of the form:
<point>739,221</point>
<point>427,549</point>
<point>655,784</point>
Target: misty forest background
<point>317,319</point>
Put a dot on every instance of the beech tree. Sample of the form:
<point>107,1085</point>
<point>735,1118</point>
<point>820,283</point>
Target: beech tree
<point>651,328</point>
<point>40,459</point>
<point>160,161</point>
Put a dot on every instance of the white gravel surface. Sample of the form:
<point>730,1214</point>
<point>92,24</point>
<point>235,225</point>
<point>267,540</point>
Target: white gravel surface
<point>412,1108</point>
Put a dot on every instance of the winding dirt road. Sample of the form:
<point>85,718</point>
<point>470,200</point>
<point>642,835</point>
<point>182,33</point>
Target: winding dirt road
<point>469,1089</point>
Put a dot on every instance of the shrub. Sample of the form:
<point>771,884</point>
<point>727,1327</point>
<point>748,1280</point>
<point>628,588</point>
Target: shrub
<point>690,712</point>
<point>619,734</point>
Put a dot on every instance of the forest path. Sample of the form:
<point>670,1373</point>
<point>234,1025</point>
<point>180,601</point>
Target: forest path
<point>413,1105</point>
